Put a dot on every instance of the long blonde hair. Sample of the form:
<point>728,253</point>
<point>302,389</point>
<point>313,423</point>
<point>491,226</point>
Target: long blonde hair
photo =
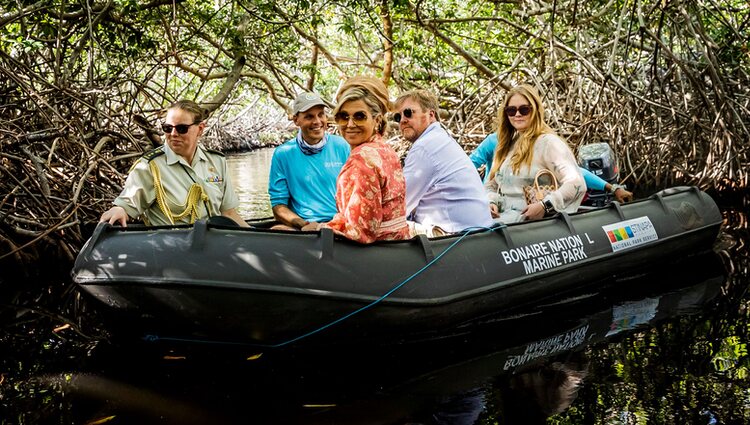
<point>507,136</point>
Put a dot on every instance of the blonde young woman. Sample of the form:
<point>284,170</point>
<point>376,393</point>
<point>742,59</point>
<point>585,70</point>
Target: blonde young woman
<point>370,189</point>
<point>526,144</point>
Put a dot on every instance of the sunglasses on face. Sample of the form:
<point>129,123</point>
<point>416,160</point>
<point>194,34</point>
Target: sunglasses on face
<point>408,113</point>
<point>359,117</point>
<point>181,128</point>
<point>523,109</point>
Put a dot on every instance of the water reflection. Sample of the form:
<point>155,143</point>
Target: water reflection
<point>249,173</point>
<point>520,368</point>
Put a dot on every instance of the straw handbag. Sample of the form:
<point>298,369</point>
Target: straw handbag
<point>537,192</point>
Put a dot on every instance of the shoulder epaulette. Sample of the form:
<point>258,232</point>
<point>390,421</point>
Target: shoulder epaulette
<point>214,152</point>
<point>154,153</point>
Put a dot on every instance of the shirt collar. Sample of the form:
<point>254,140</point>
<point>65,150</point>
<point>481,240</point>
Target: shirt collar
<point>173,158</point>
<point>429,128</point>
<point>309,149</point>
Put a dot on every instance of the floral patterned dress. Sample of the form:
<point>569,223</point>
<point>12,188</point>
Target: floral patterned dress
<point>371,195</point>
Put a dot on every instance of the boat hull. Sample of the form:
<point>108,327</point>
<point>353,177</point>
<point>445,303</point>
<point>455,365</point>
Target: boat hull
<point>219,284</point>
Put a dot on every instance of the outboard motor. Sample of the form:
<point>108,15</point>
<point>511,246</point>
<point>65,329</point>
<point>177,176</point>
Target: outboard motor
<point>600,159</point>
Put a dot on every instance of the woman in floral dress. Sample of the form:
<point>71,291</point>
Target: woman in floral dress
<point>370,190</point>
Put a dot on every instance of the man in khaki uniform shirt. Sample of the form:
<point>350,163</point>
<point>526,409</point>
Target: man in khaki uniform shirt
<point>180,181</point>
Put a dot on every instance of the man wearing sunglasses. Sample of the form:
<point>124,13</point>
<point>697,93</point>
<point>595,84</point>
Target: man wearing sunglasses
<point>444,193</point>
<point>302,181</point>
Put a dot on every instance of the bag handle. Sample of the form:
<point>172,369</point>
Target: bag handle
<point>537,190</point>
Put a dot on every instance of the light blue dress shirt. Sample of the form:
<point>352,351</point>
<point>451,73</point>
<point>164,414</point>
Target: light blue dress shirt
<point>442,186</point>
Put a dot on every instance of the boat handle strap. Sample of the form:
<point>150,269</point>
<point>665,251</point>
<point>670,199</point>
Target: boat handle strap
<point>426,245</point>
<point>326,243</point>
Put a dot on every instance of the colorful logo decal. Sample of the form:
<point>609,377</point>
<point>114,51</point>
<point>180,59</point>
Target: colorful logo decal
<point>620,234</point>
<point>630,233</point>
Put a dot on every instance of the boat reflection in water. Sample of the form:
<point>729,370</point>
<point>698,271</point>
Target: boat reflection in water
<point>526,367</point>
<point>517,367</point>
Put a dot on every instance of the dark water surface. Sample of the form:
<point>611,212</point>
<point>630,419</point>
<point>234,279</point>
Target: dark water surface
<point>660,346</point>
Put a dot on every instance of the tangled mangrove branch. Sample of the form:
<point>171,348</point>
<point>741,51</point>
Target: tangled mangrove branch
<point>667,84</point>
<point>668,87</point>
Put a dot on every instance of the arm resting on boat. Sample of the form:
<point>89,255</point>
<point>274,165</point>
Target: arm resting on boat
<point>234,215</point>
<point>115,215</point>
<point>284,215</point>
<point>620,193</point>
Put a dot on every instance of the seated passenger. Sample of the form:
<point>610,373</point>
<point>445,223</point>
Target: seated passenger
<point>444,194</point>
<point>302,181</point>
<point>370,191</point>
<point>179,182</point>
<point>594,182</point>
<point>526,144</point>
<point>483,153</point>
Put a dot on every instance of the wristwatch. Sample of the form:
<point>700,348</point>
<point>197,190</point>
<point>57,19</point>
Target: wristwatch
<point>613,188</point>
<point>549,209</point>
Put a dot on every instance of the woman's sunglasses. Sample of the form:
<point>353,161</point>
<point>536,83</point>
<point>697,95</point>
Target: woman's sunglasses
<point>359,117</point>
<point>181,128</point>
<point>523,109</point>
<point>408,113</point>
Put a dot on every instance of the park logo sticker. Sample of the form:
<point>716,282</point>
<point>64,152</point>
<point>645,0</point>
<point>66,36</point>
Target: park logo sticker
<point>630,233</point>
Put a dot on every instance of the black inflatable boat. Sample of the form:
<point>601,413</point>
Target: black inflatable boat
<point>207,283</point>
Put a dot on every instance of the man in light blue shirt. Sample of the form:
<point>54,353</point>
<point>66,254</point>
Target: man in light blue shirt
<point>444,193</point>
<point>302,182</point>
<point>485,153</point>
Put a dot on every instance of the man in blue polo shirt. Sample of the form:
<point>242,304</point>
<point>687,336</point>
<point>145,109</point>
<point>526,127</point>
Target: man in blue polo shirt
<point>302,182</point>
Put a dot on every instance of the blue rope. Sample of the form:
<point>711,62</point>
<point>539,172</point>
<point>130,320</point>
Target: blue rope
<point>151,338</point>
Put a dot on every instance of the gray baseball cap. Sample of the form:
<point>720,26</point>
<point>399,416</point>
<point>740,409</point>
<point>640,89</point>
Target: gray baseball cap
<point>305,101</point>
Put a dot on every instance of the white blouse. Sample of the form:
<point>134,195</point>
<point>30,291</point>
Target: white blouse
<point>550,152</point>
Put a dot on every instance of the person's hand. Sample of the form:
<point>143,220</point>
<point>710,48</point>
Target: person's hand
<point>311,227</point>
<point>534,211</point>
<point>115,215</point>
<point>235,216</point>
<point>623,195</point>
<point>494,211</point>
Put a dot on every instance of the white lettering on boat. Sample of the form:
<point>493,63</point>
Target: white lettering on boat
<point>548,254</point>
<point>630,233</point>
<point>548,346</point>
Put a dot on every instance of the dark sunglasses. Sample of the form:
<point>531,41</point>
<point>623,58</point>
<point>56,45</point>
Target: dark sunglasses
<point>342,118</point>
<point>408,113</point>
<point>523,109</point>
<point>181,128</point>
